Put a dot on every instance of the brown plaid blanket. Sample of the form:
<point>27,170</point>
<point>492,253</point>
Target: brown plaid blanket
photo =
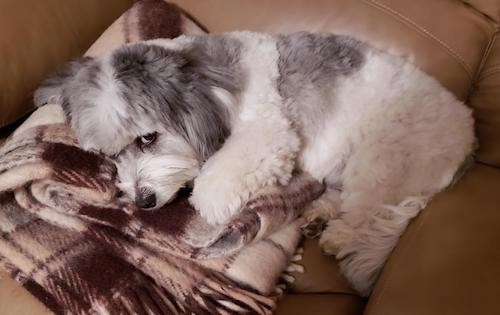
<point>80,250</point>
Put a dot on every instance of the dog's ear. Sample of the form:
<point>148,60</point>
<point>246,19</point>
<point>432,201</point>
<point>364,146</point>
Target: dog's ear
<point>51,91</point>
<point>176,87</point>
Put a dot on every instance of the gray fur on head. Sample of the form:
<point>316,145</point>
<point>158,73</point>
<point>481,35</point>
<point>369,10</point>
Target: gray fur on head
<point>51,91</point>
<point>141,88</point>
<point>176,87</point>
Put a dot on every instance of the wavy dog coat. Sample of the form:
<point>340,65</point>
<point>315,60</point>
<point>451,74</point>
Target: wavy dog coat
<point>238,111</point>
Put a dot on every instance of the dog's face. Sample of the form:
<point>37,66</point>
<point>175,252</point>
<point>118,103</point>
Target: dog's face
<point>152,109</point>
<point>154,167</point>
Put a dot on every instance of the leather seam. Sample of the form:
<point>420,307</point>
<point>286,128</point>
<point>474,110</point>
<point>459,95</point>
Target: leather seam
<point>409,22</point>
<point>480,12</point>
<point>479,73</point>
<point>491,71</point>
<point>497,167</point>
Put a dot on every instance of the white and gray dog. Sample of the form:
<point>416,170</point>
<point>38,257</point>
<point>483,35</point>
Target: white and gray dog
<point>231,113</point>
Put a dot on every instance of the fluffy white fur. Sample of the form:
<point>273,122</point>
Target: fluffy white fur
<point>229,177</point>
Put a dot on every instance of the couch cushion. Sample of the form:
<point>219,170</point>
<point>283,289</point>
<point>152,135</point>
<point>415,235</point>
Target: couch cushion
<point>320,304</point>
<point>321,272</point>
<point>37,36</point>
<point>459,273</point>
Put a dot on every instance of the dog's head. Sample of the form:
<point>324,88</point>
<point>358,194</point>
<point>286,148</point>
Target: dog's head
<point>154,109</point>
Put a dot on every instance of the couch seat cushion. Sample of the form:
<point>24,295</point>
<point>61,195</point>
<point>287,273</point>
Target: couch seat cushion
<point>321,304</point>
<point>447,261</point>
<point>321,273</point>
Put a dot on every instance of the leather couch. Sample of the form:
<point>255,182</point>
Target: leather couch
<point>448,260</point>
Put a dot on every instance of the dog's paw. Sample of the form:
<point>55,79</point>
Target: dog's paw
<point>215,208</point>
<point>336,237</point>
<point>316,217</point>
<point>313,228</point>
<point>216,199</point>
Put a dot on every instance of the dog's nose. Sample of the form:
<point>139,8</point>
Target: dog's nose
<point>146,201</point>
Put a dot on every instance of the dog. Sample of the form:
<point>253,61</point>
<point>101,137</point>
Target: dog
<point>230,113</point>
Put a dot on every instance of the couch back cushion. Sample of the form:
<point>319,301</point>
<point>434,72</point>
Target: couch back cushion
<point>36,37</point>
<point>448,39</point>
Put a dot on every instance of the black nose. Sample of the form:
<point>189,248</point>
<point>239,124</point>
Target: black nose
<point>146,201</point>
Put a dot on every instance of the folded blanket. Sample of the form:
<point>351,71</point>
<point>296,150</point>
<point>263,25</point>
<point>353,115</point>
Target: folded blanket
<point>69,241</point>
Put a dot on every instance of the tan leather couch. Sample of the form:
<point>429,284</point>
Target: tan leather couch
<point>448,261</point>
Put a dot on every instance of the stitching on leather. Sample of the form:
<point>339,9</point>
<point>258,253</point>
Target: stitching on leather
<point>406,20</point>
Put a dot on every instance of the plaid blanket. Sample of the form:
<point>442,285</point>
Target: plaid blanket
<point>73,244</point>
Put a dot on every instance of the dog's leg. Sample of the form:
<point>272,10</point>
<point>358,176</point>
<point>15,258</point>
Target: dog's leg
<point>260,151</point>
<point>362,239</point>
<point>376,206</point>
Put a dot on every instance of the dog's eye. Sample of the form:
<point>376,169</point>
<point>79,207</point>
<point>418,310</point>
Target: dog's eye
<point>146,140</point>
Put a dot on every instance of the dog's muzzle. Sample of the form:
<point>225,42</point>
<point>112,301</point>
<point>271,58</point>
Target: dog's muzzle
<point>145,199</point>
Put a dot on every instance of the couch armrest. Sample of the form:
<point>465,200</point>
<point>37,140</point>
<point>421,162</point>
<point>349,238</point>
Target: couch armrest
<point>36,37</point>
<point>448,260</point>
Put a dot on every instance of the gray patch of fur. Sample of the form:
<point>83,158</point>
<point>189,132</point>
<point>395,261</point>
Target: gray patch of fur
<point>317,60</point>
<point>77,90</point>
<point>52,90</point>
<point>175,86</point>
